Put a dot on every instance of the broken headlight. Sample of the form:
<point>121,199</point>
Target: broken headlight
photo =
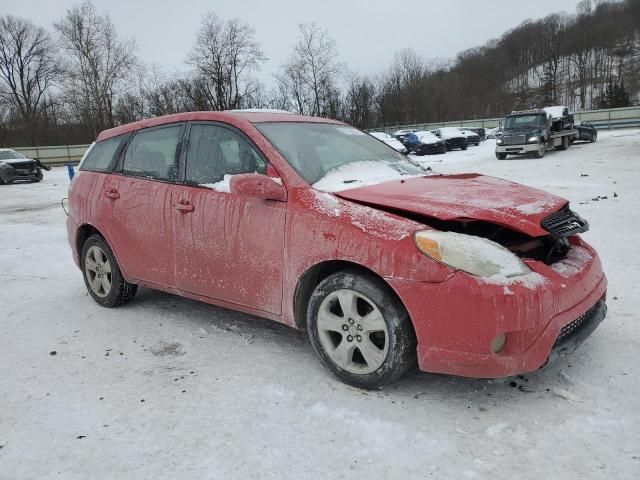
<point>474,255</point>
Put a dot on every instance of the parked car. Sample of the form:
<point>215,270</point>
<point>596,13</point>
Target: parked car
<point>453,137</point>
<point>429,144</point>
<point>389,140</point>
<point>315,224</point>
<point>587,132</point>
<point>494,133</point>
<point>16,167</point>
<point>402,134</point>
<point>561,118</point>
<point>472,137</point>
<point>480,131</point>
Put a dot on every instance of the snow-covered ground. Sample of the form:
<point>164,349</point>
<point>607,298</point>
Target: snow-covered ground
<point>170,388</point>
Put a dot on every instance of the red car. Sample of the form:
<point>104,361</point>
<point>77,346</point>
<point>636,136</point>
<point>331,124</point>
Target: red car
<point>315,224</point>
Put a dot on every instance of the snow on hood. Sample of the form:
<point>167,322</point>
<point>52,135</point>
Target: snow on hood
<point>427,138</point>
<point>360,174</point>
<point>469,196</point>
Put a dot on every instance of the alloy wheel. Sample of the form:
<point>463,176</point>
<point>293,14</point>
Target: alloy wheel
<point>353,332</point>
<point>98,270</point>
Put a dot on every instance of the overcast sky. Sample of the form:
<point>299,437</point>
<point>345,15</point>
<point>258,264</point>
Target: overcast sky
<point>367,32</point>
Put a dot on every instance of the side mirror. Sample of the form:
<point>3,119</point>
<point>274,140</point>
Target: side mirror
<point>257,185</point>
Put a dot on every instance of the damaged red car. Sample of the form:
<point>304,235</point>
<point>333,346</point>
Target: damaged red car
<point>312,223</point>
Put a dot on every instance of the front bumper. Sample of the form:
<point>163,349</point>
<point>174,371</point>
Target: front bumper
<point>456,320</point>
<point>515,149</point>
<point>15,175</point>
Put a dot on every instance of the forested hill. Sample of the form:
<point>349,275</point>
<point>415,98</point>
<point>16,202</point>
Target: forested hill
<point>64,83</point>
<point>587,60</point>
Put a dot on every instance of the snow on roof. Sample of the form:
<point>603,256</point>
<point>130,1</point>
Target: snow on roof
<point>555,111</point>
<point>427,137</point>
<point>450,132</point>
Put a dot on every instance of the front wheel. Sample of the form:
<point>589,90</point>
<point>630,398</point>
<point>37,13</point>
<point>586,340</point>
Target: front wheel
<point>102,275</point>
<point>501,155</point>
<point>542,149</point>
<point>594,138</point>
<point>360,330</point>
<point>465,146</point>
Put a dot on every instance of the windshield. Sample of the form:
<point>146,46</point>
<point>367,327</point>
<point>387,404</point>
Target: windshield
<point>535,120</point>
<point>10,155</point>
<point>333,157</point>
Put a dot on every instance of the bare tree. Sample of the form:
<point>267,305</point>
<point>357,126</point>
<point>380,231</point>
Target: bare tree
<point>310,74</point>
<point>27,67</point>
<point>98,64</point>
<point>225,55</point>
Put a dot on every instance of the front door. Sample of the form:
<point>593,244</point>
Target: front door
<point>227,246</point>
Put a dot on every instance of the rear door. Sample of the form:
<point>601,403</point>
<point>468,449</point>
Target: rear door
<point>226,246</point>
<point>141,198</point>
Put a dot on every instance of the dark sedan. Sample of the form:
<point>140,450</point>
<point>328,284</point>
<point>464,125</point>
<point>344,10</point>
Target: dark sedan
<point>586,132</point>
<point>16,167</point>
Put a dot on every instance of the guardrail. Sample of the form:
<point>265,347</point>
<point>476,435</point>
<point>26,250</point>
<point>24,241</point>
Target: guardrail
<point>54,155</point>
<point>605,118</point>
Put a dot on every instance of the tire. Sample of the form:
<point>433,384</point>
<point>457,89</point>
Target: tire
<point>38,178</point>
<point>465,147</point>
<point>501,155</point>
<point>542,149</point>
<point>98,262</point>
<point>594,138</point>
<point>361,313</point>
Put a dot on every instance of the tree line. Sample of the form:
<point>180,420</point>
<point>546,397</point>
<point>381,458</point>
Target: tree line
<point>66,85</point>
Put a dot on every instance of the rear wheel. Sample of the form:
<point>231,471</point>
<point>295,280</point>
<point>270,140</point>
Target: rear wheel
<point>465,146</point>
<point>360,330</point>
<point>501,155</point>
<point>102,275</point>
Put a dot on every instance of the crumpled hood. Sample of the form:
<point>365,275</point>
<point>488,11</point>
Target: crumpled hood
<point>11,161</point>
<point>464,197</point>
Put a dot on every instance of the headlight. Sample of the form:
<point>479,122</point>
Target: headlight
<point>498,141</point>
<point>533,139</point>
<point>474,255</point>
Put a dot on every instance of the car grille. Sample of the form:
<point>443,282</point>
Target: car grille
<point>23,167</point>
<point>565,223</point>
<point>513,140</point>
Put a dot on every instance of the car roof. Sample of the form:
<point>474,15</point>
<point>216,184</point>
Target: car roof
<point>238,118</point>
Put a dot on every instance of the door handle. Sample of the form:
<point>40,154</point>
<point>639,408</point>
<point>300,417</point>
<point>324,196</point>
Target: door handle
<point>184,207</point>
<point>112,194</point>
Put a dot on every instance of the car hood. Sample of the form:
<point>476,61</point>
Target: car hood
<point>16,160</point>
<point>463,197</point>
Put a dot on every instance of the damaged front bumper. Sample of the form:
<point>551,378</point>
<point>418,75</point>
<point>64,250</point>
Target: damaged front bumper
<point>457,320</point>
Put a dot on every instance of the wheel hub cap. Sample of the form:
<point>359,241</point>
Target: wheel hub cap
<point>353,332</point>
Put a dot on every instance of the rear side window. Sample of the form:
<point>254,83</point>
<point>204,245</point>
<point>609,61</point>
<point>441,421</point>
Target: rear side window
<point>102,156</point>
<point>154,153</point>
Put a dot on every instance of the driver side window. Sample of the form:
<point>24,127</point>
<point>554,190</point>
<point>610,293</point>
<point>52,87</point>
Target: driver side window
<point>215,151</point>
